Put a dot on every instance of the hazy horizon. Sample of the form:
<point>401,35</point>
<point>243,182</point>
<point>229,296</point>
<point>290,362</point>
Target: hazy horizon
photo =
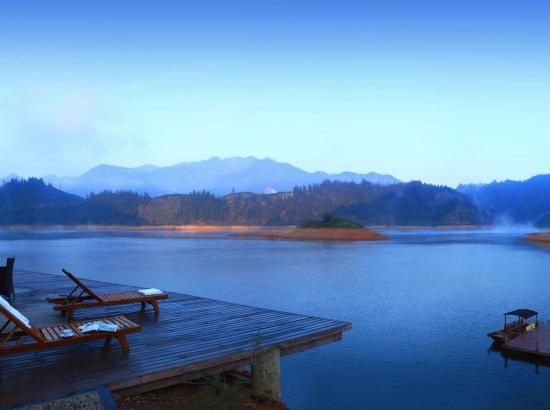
<point>444,92</point>
<point>47,174</point>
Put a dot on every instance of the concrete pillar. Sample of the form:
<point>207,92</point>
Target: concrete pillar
<point>266,373</point>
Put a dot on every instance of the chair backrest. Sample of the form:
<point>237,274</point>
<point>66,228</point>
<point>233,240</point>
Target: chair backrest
<point>6,279</point>
<point>80,284</point>
<point>9,264</point>
<point>18,319</point>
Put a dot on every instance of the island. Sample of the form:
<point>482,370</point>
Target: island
<point>539,238</point>
<point>329,228</point>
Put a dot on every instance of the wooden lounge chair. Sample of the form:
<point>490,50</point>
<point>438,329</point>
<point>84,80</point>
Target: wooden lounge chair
<point>24,337</point>
<point>89,299</point>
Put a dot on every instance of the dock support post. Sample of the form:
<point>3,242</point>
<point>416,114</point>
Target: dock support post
<point>266,373</point>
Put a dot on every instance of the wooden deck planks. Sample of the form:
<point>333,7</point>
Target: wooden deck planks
<point>536,341</point>
<point>191,333</point>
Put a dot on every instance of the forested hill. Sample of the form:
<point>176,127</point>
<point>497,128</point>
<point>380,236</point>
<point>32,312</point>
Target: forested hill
<point>509,202</point>
<point>34,202</point>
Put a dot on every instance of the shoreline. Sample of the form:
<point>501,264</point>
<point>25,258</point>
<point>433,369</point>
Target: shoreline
<point>190,228</point>
<point>434,228</point>
<point>542,238</point>
<point>324,234</point>
<point>221,228</point>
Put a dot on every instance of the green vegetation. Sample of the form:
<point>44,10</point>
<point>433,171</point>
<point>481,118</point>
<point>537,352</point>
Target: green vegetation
<point>330,221</point>
<point>414,203</point>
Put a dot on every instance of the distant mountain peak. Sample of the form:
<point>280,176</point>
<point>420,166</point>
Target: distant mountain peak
<point>218,175</point>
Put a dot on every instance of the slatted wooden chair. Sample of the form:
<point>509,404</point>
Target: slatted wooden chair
<point>82,297</point>
<point>24,337</point>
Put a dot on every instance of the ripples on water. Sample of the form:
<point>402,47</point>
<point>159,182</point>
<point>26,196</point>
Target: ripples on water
<point>421,304</point>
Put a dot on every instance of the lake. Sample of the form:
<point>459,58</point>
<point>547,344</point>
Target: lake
<point>421,304</point>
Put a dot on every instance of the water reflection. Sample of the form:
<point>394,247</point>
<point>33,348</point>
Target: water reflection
<point>421,304</point>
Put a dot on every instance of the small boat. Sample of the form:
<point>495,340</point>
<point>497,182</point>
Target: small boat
<point>516,327</point>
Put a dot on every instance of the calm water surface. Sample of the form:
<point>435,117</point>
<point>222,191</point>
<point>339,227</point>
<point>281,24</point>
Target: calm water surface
<point>421,305</point>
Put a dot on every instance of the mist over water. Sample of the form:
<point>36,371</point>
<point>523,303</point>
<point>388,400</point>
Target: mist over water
<point>421,304</point>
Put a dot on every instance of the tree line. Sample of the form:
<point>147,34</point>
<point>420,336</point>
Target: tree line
<point>32,201</point>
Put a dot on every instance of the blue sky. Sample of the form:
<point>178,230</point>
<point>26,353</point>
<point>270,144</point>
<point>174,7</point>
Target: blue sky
<point>442,91</point>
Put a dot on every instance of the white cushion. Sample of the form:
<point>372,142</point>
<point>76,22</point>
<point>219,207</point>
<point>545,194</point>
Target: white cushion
<point>15,312</point>
<point>150,292</point>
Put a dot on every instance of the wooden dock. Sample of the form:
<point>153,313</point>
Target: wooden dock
<point>535,342</point>
<point>192,337</point>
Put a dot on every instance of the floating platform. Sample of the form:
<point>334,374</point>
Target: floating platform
<point>535,342</point>
<point>523,335</point>
<point>191,338</point>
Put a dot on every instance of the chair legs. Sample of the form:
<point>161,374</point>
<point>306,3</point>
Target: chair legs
<point>155,305</point>
<point>123,343</point>
<point>107,343</point>
<point>122,340</point>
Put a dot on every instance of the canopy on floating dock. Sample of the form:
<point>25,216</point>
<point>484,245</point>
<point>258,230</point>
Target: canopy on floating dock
<point>523,313</point>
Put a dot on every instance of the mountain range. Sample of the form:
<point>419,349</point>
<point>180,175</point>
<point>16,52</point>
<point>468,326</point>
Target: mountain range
<point>215,175</point>
<point>121,197</point>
